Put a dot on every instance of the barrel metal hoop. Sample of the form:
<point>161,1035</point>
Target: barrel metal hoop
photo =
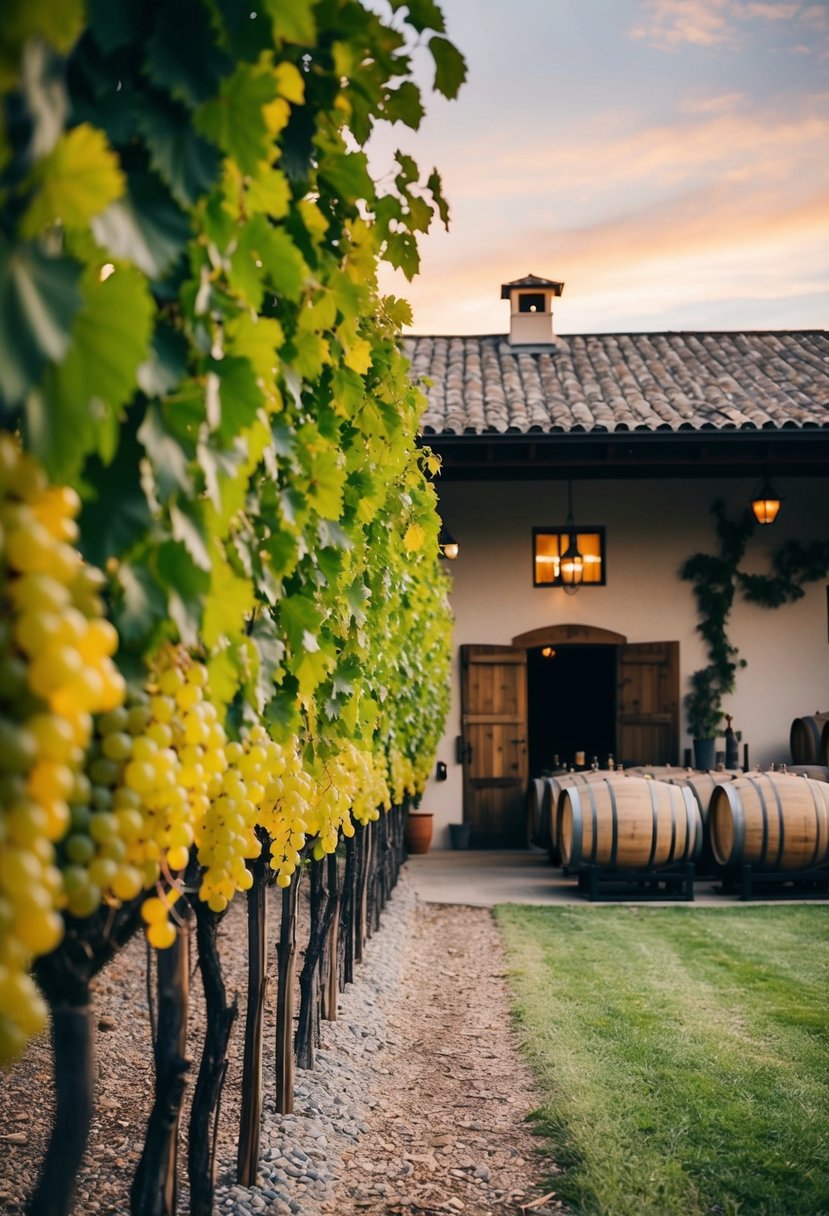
<point>587,788</point>
<point>693,824</point>
<point>781,845</point>
<point>764,845</point>
<point>577,838</point>
<point>674,792</point>
<point>614,823</point>
<point>820,812</point>
<point>738,823</point>
<point>654,824</point>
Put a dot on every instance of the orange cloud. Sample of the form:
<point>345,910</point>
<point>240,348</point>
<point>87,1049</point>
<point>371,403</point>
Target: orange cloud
<point>670,24</point>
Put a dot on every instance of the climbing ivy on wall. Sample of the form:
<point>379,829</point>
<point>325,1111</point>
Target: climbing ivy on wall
<point>717,578</point>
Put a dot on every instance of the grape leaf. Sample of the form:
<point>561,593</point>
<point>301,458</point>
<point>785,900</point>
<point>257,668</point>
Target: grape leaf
<point>423,14</point>
<point>106,533</point>
<point>435,186</point>
<point>166,364</point>
<point>239,395</point>
<point>293,21</point>
<point>450,66</point>
<point>145,227</point>
<point>183,55</point>
<point>234,120</point>
<point>404,104</point>
<point>77,180</point>
<point>186,162</point>
<point>23,20</point>
<point>282,713</point>
<point>186,585</point>
<point>188,528</point>
<point>115,25</point>
<point>347,174</point>
<point>139,604</point>
<point>39,298</point>
<point>300,618</point>
<point>257,339</point>
<point>167,463</point>
<point>78,396</point>
<point>227,605</point>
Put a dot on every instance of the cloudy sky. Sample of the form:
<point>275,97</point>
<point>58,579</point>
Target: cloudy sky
<point>667,159</point>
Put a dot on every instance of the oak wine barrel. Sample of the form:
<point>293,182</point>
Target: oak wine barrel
<point>809,739</point>
<point>772,821</point>
<point>632,823</point>
<point>555,787</point>
<point>818,772</point>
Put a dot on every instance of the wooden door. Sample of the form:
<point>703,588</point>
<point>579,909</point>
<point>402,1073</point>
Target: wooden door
<point>648,703</point>
<point>494,726</point>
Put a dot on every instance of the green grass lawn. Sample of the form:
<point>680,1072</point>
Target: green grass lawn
<point>682,1055</point>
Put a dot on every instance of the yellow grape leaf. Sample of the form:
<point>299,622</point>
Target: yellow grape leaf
<point>414,538</point>
<point>78,180</point>
<point>276,114</point>
<point>358,356</point>
<point>289,83</point>
<point>433,463</point>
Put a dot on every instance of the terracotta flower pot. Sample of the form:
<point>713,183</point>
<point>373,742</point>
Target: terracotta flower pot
<point>419,831</point>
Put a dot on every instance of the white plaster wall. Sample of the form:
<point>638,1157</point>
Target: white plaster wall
<point>652,527</point>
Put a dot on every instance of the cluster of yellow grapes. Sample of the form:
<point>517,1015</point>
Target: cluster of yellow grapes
<point>402,777</point>
<point>56,670</point>
<point>289,794</point>
<point>351,786</point>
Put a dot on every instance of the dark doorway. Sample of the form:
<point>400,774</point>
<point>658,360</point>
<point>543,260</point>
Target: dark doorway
<point>571,701</point>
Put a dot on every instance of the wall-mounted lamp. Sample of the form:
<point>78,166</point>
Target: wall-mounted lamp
<point>449,547</point>
<point>765,503</point>
<point>548,652</point>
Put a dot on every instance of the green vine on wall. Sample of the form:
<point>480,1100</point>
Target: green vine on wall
<point>717,578</point>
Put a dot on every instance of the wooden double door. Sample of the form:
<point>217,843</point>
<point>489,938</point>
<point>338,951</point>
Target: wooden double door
<point>494,729</point>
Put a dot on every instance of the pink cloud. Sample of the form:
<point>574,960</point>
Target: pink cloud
<point>671,24</point>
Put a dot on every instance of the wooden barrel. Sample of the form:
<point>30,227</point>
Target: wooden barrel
<point>809,739</point>
<point>556,786</point>
<point>772,821</point>
<point>818,772</point>
<point>632,823</point>
<point>537,830</point>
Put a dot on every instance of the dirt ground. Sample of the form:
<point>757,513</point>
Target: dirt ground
<point>444,1107</point>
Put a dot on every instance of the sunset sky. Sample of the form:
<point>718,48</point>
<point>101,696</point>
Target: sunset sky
<point>667,159</point>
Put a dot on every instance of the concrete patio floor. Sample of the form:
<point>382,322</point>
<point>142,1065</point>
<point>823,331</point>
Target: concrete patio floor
<point>482,878</point>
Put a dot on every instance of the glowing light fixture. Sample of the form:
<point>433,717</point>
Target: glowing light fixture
<point>449,547</point>
<point>572,561</point>
<point>765,503</point>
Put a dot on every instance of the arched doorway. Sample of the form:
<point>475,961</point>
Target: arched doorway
<point>518,710</point>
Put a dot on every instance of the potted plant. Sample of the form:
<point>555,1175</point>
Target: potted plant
<point>704,709</point>
<point>418,830</point>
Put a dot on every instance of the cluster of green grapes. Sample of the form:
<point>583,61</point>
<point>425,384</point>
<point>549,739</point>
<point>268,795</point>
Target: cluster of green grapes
<point>56,670</point>
<point>289,794</point>
<point>351,786</point>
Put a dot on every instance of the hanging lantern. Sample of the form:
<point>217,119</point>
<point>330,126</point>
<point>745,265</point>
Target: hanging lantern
<point>449,547</point>
<point>572,561</point>
<point>765,503</point>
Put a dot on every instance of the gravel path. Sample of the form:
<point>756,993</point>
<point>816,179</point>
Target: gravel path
<point>417,1104</point>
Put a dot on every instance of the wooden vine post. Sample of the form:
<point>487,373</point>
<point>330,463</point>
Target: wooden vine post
<point>250,1119</point>
<point>220,1017</point>
<point>155,1186</point>
<point>64,977</point>
<point>331,976</point>
<point>322,906</point>
<point>285,977</point>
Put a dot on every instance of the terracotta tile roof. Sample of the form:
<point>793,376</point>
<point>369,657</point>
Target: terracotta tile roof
<point>625,382</point>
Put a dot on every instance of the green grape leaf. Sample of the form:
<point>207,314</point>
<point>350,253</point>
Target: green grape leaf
<point>139,604</point>
<point>166,462</point>
<point>235,120</point>
<point>423,14</point>
<point>166,364</point>
<point>188,528</point>
<point>186,586</point>
<point>282,713</point>
<point>266,254</point>
<point>183,55</point>
<point>435,186</point>
<point>224,671</point>
<point>450,66</point>
<point>347,174</point>
<point>293,21</point>
<point>308,354</point>
<point>79,397</point>
<point>300,618</point>
<point>105,532</point>
<point>25,20</point>
<point>39,298</point>
<point>183,159</point>
<point>325,491</point>
<point>401,252</point>
<point>282,549</point>
<point>404,104</point>
<point>269,192</point>
<point>257,339</point>
<point>228,604</point>
<point>239,395</point>
<point>115,25</point>
<point>76,181</point>
<point>271,651</point>
<point>310,669</point>
<point>145,227</point>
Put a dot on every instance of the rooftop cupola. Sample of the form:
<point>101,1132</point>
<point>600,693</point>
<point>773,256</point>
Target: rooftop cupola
<point>531,310</point>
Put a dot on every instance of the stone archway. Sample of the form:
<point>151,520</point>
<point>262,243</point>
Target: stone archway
<point>561,635</point>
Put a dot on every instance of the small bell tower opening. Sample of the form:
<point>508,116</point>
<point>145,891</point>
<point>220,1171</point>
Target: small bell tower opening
<point>531,310</point>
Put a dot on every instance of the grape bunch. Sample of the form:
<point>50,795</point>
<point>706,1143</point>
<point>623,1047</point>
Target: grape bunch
<point>56,670</point>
